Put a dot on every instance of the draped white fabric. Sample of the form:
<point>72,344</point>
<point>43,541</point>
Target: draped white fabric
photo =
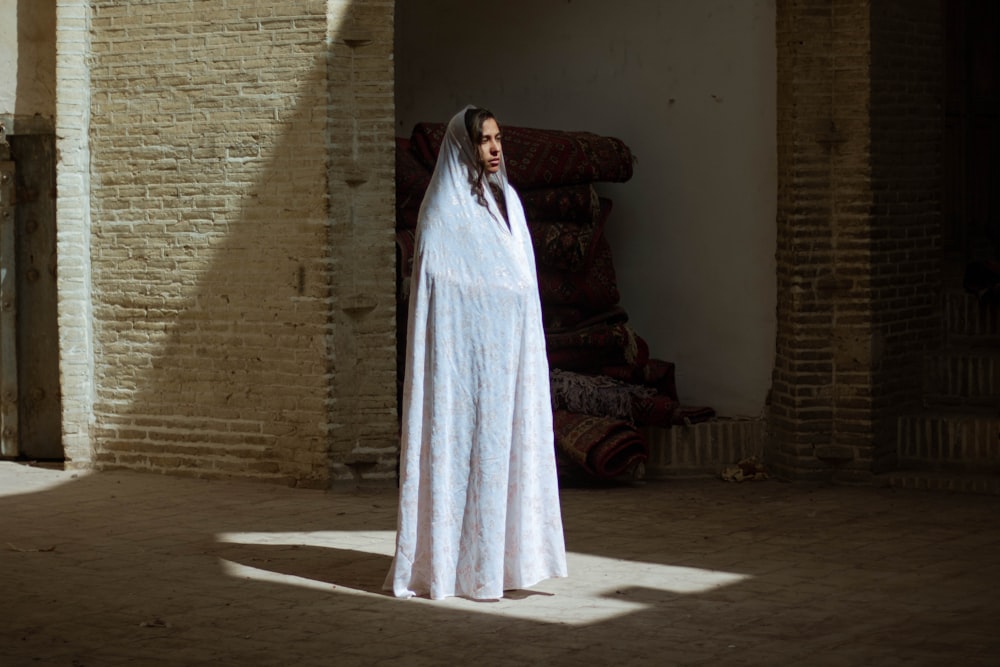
<point>479,506</point>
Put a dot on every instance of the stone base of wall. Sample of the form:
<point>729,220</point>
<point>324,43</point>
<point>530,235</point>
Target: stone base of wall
<point>703,450</point>
<point>948,482</point>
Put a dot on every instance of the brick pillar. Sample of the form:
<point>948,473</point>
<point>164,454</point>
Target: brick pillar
<point>907,127</point>
<point>73,229</point>
<point>364,438</point>
<point>856,240</point>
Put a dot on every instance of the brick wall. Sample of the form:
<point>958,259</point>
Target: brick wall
<point>226,263</point>
<point>857,209</point>
<point>907,130</point>
<point>242,259</point>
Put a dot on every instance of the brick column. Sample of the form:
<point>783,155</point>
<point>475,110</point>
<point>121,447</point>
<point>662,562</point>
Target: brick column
<point>73,229</point>
<point>361,179</point>
<point>907,128</point>
<point>856,245</point>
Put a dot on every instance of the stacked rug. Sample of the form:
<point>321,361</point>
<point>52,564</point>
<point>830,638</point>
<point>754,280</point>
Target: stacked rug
<point>604,383</point>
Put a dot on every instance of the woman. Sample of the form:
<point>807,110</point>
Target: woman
<point>479,505</point>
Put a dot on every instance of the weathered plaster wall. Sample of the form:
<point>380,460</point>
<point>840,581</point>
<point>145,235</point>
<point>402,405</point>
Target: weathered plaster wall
<point>690,87</point>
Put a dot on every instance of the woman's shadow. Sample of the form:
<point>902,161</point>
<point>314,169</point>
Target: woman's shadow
<point>340,568</point>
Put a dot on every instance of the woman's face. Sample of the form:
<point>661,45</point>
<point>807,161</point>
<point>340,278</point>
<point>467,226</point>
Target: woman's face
<point>489,146</point>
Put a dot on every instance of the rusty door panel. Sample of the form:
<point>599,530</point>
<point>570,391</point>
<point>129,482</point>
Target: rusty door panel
<point>8,308</point>
<point>39,401</point>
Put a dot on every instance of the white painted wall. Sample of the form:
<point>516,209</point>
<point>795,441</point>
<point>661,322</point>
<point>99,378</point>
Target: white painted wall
<point>28,58</point>
<point>690,87</point>
<point>8,56</point>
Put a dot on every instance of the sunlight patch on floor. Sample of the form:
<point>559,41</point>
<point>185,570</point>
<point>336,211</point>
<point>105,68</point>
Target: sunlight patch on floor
<point>598,587</point>
<point>32,479</point>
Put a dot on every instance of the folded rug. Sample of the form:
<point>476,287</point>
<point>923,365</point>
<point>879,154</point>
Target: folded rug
<point>603,396</point>
<point>538,158</point>
<point>575,204</point>
<point>606,448</point>
<point>405,247</point>
<point>692,414</point>
<point>656,410</point>
<point>655,373</point>
<point>595,395</point>
<point>663,407</point>
<point>567,246</point>
<point>594,348</point>
<point>571,203</point>
<point>596,286</point>
<point>412,177</point>
<point>562,319</point>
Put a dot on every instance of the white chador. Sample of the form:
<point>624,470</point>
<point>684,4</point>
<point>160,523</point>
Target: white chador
<point>479,505</point>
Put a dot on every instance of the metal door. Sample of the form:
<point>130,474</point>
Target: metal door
<point>8,307</point>
<point>30,400</point>
<point>39,413</point>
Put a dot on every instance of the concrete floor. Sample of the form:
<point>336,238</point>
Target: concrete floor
<point>131,569</point>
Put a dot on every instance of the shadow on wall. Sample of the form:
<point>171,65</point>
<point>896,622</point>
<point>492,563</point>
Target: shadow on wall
<point>36,59</point>
<point>216,244</point>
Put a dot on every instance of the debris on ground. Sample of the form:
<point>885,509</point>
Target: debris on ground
<point>30,550</point>
<point>749,469</point>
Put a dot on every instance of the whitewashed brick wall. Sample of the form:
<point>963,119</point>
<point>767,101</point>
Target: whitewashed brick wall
<point>76,350</point>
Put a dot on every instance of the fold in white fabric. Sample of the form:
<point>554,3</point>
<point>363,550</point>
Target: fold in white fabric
<point>479,504</point>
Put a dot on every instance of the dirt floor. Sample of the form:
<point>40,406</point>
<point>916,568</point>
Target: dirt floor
<point>132,569</point>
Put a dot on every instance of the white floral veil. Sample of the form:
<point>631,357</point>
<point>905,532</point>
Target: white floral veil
<point>451,193</point>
